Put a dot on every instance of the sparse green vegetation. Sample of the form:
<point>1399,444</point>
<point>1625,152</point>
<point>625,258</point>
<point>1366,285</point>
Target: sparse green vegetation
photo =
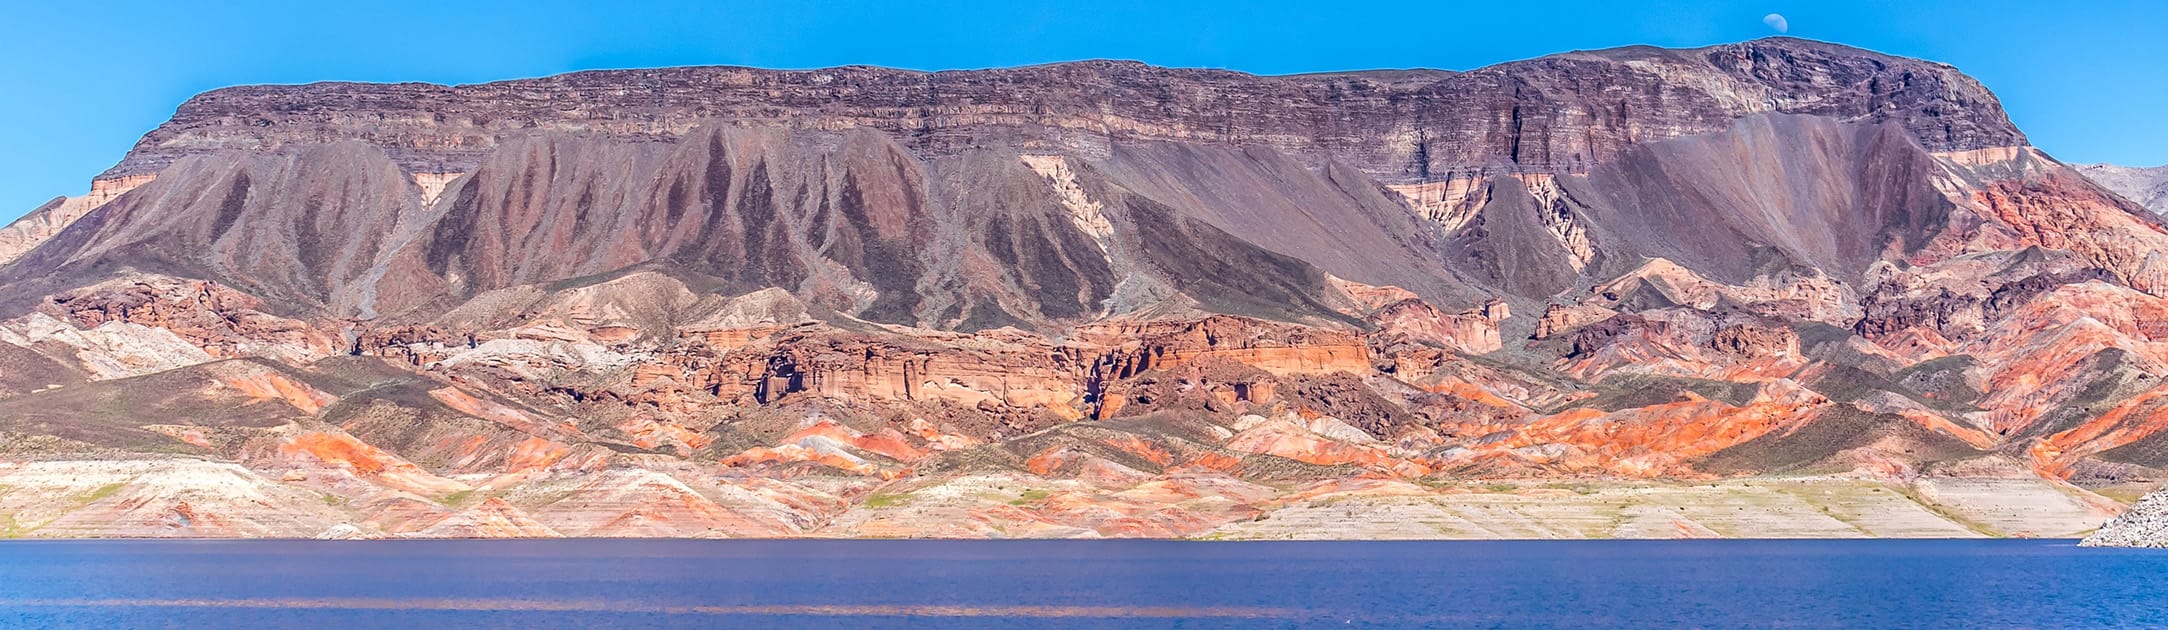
<point>2124,494</point>
<point>103,491</point>
<point>1950,515</point>
<point>1330,501</point>
<point>1029,497</point>
<point>456,498</point>
<point>885,500</point>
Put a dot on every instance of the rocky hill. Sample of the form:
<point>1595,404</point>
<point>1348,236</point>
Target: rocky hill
<point>2147,186</point>
<point>2145,525</point>
<point>1771,288</point>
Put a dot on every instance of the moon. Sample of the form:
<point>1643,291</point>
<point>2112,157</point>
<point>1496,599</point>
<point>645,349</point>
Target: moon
<point>1777,21</point>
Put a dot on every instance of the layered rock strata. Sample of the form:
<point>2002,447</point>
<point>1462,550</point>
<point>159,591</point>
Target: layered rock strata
<point>1634,292</point>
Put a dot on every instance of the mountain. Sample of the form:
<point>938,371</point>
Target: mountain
<point>1775,288</point>
<point>2147,186</point>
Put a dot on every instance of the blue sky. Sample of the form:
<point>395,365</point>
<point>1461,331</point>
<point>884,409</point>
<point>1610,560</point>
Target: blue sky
<point>83,80</point>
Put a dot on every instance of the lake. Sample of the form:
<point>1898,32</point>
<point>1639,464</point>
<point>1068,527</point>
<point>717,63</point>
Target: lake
<point>807,583</point>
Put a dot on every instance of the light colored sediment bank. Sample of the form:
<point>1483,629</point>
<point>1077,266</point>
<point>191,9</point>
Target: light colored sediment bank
<point>183,498</point>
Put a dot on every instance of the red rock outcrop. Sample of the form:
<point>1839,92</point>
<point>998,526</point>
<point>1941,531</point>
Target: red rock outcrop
<point>220,320</point>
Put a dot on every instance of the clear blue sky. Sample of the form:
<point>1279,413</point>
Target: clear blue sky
<point>83,80</point>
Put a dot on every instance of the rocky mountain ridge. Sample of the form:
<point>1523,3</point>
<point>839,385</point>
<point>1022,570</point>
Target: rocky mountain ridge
<point>2147,186</point>
<point>1609,293</point>
<point>1554,113</point>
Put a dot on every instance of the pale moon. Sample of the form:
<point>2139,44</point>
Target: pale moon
<point>1777,21</point>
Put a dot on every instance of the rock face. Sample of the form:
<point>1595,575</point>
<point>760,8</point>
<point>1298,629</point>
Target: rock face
<point>1091,299</point>
<point>2147,186</point>
<point>1553,112</point>
<point>33,229</point>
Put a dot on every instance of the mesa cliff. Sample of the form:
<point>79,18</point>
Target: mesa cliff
<point>1775,288</point>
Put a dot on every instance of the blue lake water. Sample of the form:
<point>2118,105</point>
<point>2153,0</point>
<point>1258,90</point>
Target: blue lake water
<point>855,584</point>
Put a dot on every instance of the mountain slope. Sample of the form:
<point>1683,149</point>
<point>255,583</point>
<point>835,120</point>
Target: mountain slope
<point>1097,298</point>
<point>2147,186</point>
